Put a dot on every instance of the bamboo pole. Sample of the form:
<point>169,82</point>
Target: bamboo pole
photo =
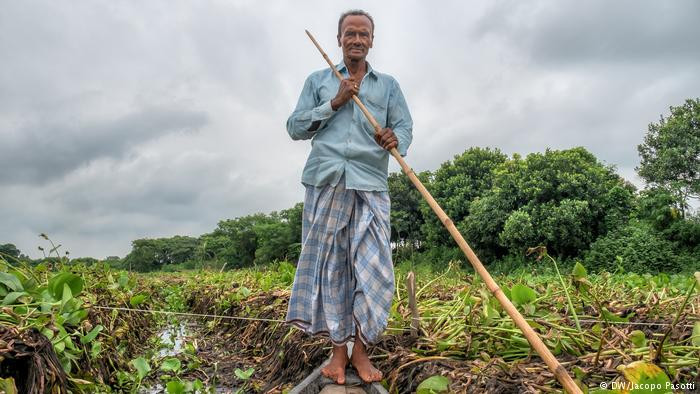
<point>552,363</point>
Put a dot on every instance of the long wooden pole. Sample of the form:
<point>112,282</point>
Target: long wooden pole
<point>552,363</point>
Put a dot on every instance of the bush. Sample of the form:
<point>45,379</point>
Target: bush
<point>636,247</point>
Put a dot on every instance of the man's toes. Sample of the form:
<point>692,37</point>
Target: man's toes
<point>364,377</point>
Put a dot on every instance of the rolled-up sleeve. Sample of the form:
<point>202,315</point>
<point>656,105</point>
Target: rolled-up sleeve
<point>310,116</point>
<point>400,119</point>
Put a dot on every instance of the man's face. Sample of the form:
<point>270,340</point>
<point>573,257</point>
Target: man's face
<point>355,37</point>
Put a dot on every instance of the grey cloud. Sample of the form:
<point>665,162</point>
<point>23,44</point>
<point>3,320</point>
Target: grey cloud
<point>46,150</point>
<point>576,33</point>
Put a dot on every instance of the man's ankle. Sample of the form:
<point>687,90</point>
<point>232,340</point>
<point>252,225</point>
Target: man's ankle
<point>340,350</point>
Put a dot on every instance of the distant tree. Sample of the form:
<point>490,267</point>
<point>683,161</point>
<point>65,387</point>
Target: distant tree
<point>179,249</point>
<point>561,199</point>
<point>242,242</point>
<point>144,256</point>
<point>9,250</point>
<point>657,207</point>
<point>456,185</point>
<point>273,238</point>
<point>84,260</point>
<point>153,254</point>
<point>406,214</point>
<point>212,245</point>
<point>670,154</point>
<point>293,218</point>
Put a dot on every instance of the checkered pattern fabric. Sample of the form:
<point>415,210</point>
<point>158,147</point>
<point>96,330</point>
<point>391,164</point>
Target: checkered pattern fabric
<point>345,278</point>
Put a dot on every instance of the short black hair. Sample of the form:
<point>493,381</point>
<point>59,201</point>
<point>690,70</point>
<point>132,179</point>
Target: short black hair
<point>355,12</point>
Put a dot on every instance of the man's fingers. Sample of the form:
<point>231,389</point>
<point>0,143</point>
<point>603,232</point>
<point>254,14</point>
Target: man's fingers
<point>390,145</point>
<point>378,137</point>
<point>389,142</point>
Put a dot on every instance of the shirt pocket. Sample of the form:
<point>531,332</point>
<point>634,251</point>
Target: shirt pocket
<point>376,104</point>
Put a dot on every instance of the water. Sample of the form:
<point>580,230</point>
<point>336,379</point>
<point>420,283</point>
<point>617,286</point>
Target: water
<point>172,340</point>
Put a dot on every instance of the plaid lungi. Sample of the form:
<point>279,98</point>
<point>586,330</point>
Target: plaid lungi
<point>345,278</point>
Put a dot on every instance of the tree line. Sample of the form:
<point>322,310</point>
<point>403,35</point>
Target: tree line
<point>566,200</point>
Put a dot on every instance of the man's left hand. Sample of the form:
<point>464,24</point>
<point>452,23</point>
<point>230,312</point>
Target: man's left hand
<point>386,139</point>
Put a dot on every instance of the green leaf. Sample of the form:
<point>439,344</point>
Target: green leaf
<point>243,292</point>
<point>10,298</point>
<point>74,282</point>
<point>506,291</point>
<point>76,316</point>
<point>638,338</point>
<point>142,367</point>
<point>11,281</point>
<point>123,279</point>
<point>96,349</point>
<point>7,386</point>
<point>611,317</point>
<point>65,363</point>
<point>59,347</point>
<point>137,300</point>
<point>579,271</point>
<point>433,385</point>
<point>490,312</point>
<point>89,337</point>
<point>696,334</point>
<point>69,343</point>
<point>697,279</point>
<point>175,387</point>
<point>67,295</point>
<point>48,333</point>
<point>244,375</point>
<point>646,375</point>
<point>522,294</point>
<point>170,365</point>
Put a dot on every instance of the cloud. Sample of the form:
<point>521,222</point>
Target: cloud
<point>48,150</point>
<point>580,34</point>
<point>124,120</point>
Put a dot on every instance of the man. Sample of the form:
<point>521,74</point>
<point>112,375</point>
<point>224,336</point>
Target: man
<point>345,280</point>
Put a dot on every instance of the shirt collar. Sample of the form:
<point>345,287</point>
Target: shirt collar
<point>344,70</point>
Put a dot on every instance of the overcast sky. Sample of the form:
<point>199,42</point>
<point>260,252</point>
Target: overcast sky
<point>131,119</point>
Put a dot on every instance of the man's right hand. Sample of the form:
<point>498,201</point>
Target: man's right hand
<point>347,88</point>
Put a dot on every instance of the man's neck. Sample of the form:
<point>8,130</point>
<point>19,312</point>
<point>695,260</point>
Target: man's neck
<point>356,68</point>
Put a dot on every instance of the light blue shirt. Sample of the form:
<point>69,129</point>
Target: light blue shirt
<point>342,141</point>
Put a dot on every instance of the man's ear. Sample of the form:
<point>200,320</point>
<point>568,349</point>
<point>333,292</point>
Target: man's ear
<point>338,36</point>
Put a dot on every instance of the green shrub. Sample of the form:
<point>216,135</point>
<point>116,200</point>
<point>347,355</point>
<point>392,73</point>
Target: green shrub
<point>636,247</point>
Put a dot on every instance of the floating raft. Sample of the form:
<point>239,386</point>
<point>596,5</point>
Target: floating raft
<point>316,383</point>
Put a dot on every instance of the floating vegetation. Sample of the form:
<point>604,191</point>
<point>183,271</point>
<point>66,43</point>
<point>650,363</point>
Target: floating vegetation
<point>60,331</point>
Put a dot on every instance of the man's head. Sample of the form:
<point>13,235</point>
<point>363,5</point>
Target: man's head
<point>355,34</point>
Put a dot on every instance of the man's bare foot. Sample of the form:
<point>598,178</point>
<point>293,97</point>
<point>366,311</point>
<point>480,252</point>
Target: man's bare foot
<point>361,362</point>
<point>335,370</point>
